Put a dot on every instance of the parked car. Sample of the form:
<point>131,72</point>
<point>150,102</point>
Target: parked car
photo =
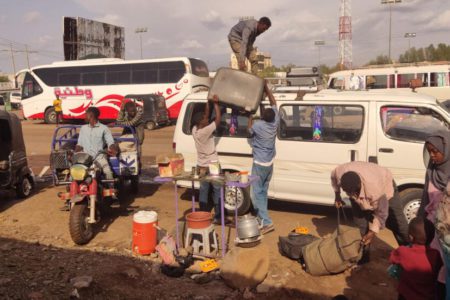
<point>15,98</point>
<point>154,108</point>
<point>322,131</point>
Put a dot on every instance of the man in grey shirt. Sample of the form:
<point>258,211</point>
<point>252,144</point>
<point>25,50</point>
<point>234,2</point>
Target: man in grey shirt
<point>241,38</point>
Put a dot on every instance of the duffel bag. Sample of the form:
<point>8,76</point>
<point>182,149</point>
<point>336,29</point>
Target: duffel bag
<point>292,245</point>
<point>334,254</point>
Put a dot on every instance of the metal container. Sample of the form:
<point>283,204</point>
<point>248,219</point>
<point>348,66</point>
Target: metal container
<point>248,227</point>
<point>237,89</point>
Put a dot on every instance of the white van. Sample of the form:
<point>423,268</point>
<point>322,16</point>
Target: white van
<point>322,131</point>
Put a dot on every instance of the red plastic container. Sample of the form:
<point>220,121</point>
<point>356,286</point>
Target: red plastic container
<point>144,232</point>
<point>198,219</point>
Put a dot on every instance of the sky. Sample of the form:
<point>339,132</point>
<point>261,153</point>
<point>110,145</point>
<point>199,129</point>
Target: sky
<point>199,28</point>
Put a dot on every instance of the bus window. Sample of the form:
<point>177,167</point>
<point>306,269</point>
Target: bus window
<point>48,75</point>
<point>93,75</point>
<point>404,79</point>
<point>438,79</point>
<point>377,81</point>
<point>72,77</point>
<point>144,73</point>
<point>199,67</point>
<point>171,72</point>
<point>118,74</point>
<point>423,77</point>
<point>30,87</point>
<point>337,83</point>
<point>391,81</point>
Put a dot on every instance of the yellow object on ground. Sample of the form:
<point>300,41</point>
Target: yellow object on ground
<point>208,265</point>
<point>301,230</point>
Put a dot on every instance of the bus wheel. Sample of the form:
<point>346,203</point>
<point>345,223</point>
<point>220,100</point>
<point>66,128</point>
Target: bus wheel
<point>50,116</point>
<point>150,125</point>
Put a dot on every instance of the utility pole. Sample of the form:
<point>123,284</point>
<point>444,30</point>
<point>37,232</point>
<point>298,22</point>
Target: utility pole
<point>12,59</point>
<point>319,43</point>
<point>139,31</point>
<point>28,58</point>
<point>390,2</point>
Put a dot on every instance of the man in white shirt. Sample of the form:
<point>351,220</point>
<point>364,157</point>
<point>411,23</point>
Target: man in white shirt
<point>202,132</point>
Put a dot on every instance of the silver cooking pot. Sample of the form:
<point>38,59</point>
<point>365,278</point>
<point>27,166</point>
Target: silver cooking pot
<point>248,227</point>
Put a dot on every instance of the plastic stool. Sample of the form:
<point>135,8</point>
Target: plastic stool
<point>201,238</point>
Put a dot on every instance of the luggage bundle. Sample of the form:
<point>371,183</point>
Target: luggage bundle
<point>324,256</point>
<point>237,89</point>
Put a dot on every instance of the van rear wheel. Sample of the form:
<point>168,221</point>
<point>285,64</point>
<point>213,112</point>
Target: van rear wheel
<point>411,199</point>
<point>237,198</point>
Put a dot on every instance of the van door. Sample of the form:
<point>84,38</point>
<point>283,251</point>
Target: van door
<point>401,132</point>
<point>312,140</point>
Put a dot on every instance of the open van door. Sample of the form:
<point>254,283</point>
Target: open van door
<point>312,140</point>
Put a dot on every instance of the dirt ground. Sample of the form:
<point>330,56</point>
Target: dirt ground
<point>38,258</point>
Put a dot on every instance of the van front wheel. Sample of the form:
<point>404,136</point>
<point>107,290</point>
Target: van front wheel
<point>237,198</point>
<point>411,199</point>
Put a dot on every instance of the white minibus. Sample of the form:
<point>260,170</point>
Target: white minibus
<point>384,128</point>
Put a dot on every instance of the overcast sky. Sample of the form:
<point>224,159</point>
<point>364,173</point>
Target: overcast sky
<point>199,28</point>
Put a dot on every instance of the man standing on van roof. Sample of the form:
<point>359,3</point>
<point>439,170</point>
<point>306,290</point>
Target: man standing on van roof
<point>263,135</point>
<point>241,38</point>
<point>374,199</point>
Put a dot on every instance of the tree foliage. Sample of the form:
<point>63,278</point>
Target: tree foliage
<point>441,52</point>
<point>4,79</point>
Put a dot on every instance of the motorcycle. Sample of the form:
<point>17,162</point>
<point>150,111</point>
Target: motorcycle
<point>88,194</point>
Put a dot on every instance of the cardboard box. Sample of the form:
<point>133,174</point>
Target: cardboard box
<point>170,165</point>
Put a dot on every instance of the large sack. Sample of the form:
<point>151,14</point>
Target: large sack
<point>237,88</point>
<point>334,254</point>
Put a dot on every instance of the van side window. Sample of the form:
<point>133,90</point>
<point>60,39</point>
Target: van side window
<point>321,123</point>
<point>410,123</point>
<point>233,123</point>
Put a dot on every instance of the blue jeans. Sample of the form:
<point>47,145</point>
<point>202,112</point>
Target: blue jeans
<point>204,193</point>
<point>259,192</point>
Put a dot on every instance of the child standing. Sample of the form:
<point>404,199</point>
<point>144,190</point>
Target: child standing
<point>419,263</point>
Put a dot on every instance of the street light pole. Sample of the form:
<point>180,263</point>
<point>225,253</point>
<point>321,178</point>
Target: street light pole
<point>390,2</point>
<point>410,35</point>
<point>319,43</point>
<point>139,31</point>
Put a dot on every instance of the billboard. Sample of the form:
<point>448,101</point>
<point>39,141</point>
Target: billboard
<point>84,38</point>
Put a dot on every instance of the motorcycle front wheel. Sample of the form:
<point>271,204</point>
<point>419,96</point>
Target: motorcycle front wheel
<point>81,230</point>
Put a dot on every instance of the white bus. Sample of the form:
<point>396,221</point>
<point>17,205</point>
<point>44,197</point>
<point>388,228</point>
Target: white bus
<point>104,82</point>
<point>434,77</point>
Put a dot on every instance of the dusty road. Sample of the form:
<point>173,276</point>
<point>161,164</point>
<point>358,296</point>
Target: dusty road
<point>28,227</point>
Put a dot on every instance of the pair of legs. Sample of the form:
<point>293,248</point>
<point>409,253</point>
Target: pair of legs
<point>259,192</point>
<point>250,54</point>
<point>396,221</point>
<point>204,197</point>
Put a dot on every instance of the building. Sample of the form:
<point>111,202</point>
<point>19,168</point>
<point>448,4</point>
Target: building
<point>264,61</point>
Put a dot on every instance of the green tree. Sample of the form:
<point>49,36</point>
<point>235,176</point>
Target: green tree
<point>379,60</point>
<point>4,79</point>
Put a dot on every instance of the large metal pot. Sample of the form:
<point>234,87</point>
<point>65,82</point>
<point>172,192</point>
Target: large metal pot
<point>248,227</point>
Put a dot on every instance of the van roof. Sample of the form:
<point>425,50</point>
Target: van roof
<point>366,95</point>
<point>390,95</point>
